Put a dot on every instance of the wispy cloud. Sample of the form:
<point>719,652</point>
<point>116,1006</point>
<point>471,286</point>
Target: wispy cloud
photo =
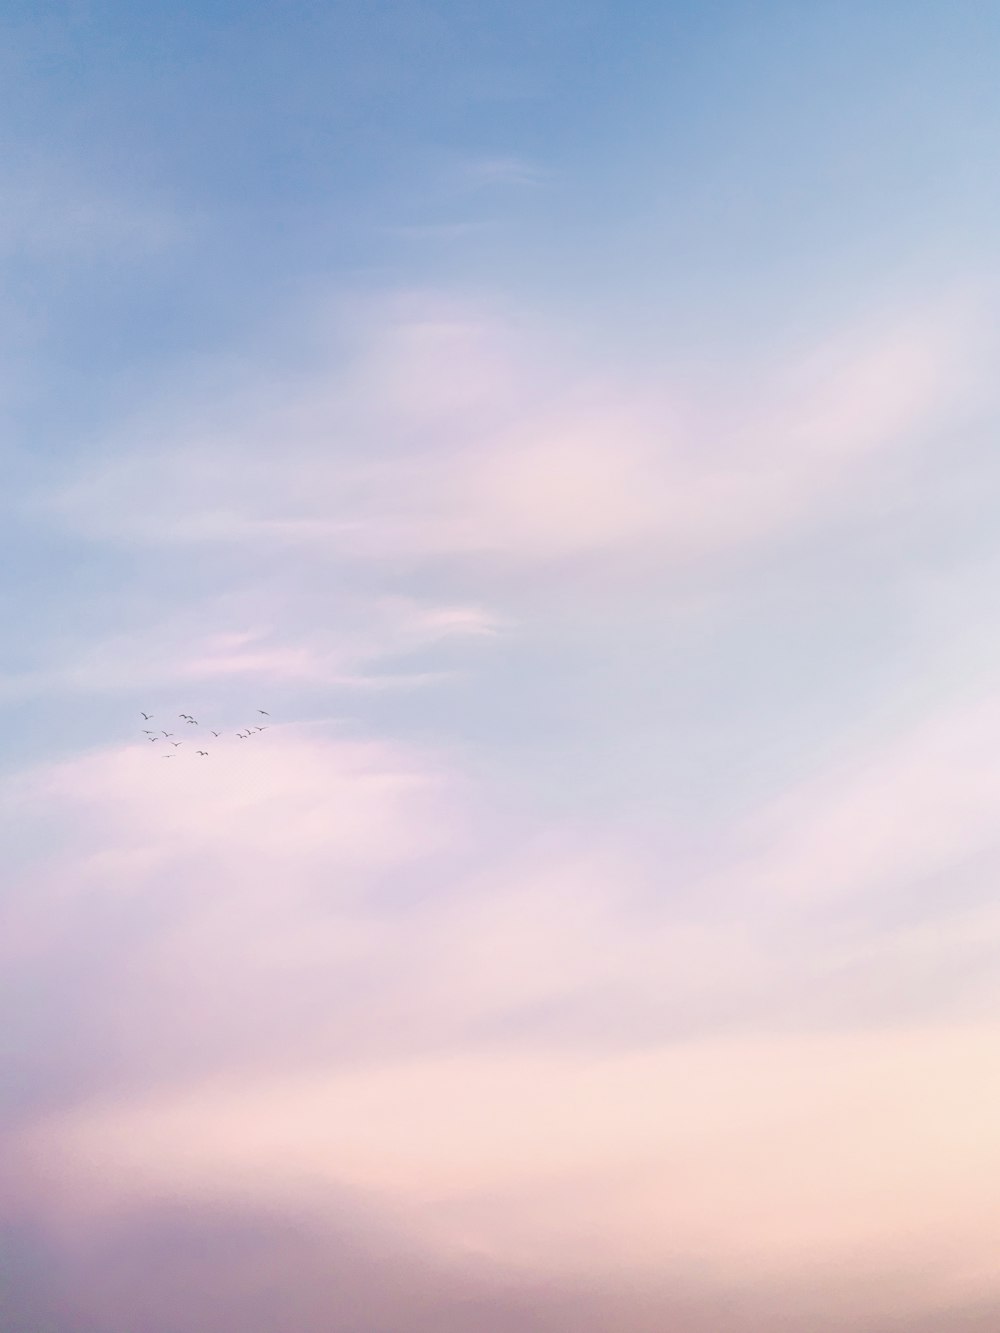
<point>466,450</point>
<point>173,648</point>
<point>502,170</point>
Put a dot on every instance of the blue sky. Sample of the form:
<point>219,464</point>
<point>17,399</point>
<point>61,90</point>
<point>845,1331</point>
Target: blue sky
<point>574,424</point>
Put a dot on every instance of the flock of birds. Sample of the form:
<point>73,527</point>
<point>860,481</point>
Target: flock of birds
<point>190,721</point>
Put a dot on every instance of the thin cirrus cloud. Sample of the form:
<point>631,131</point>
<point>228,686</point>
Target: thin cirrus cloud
<point>169,648</point>
<point>501,170</point>
<point>466,452</point>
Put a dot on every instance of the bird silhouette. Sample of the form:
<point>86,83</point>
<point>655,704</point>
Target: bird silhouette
<point>154,739</point>
<point>176,743</point>
<point>168,734</point>
<point>216,733</point>
<point>183,714</point>
<point>146,717</point>
<point>191,722</point>
<point>146,732</point>
<point>264,712</point>
<point>168,756</point>
<point>260,728</point>
<point>204,752</point>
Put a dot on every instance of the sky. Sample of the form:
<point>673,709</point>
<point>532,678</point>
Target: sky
<point>574,424</point>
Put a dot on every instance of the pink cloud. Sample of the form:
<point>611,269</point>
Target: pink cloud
<point>166,651</point>
<point>449,440</point>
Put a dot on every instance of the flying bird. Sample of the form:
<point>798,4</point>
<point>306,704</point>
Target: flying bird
<point>264,712</point>
<point>185,715</point>
<point>146,717</point>
<point>154,739</point>
<point>168,734</point>
<point>204,752</point>
<point>146,732</point>
<point>260,728</point>
<point>176,743</point>
<point>191,722</point>
<point>216,733</point>
<point>168,756</point>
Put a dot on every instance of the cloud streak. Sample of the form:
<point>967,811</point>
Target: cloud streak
<point>520,471</point>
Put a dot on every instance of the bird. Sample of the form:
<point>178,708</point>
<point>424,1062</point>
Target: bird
<point>183,714</point>
<point>191,722</point>
<point>146,717</point>
<point>204,752</point>
<point>154,739</point>
<point>216,733</point>
<point>176,743</point>
<point>264,712</point>
<point>168,756</point>
<point>168,734</point>
<point>146,732</point>
<point>260,728</point>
